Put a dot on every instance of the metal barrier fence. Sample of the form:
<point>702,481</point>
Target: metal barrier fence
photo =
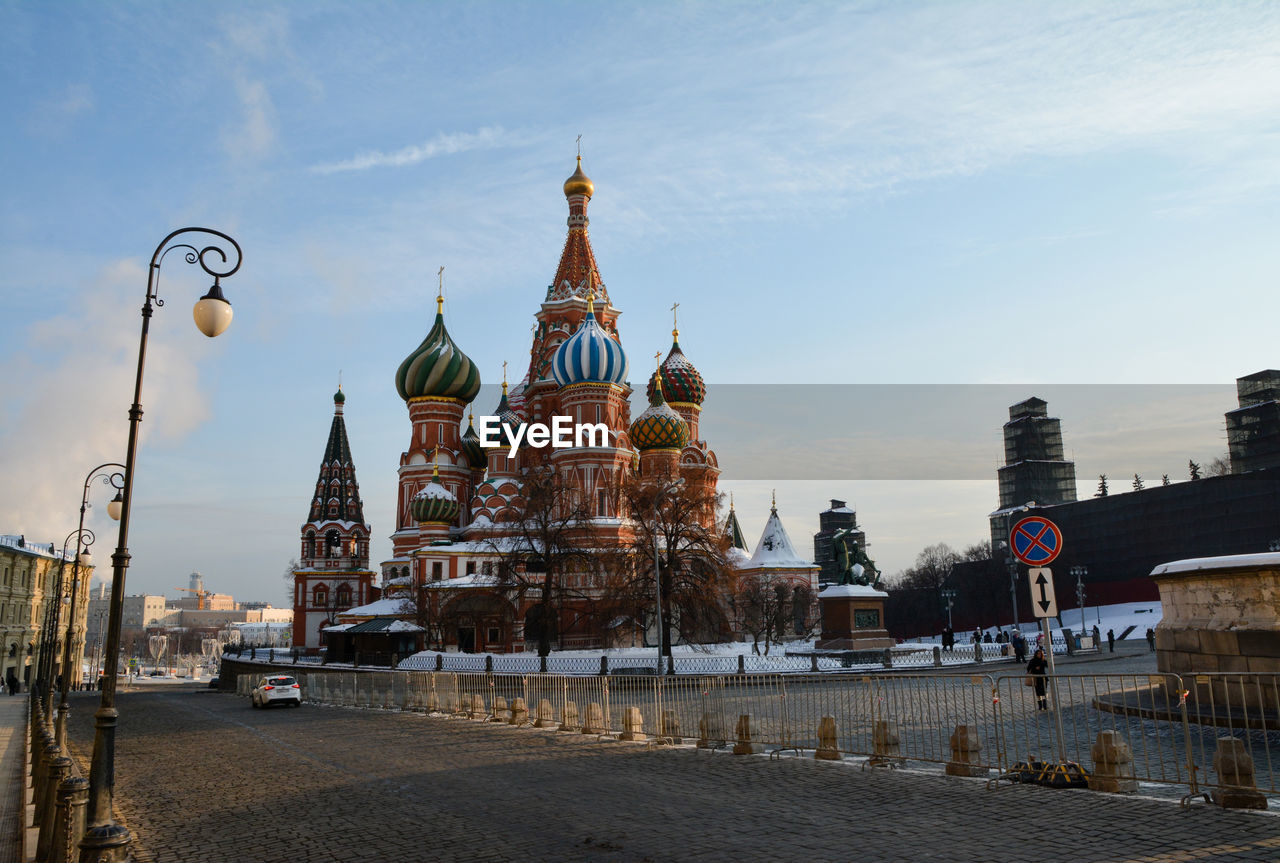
<point>1218,737</point>
<point>907,655</point>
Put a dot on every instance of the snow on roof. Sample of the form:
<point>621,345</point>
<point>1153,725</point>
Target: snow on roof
<point>473,580</point>
<point>838,509</point>
<point>775,548</point>
<point>378,608</point>
<point>1230,561</point>
<point>40,549</point>
<point>434,490</point>
<point>835,590</point>
<point>338,627</point>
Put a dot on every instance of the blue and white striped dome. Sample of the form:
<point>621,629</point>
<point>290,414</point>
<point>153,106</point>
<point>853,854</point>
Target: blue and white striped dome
<point>590,355</point>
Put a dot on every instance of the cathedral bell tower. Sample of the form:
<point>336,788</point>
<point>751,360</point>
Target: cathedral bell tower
<point>333,574</point>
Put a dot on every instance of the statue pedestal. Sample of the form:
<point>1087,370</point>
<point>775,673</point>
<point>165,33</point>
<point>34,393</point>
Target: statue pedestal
<point>853,618</point>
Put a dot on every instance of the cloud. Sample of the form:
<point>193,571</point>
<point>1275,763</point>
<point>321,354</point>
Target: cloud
<point>820,105</point>
<point>70,412</point>
<point>443,144</point>
<point>255,134</point>
<point>54,116</point>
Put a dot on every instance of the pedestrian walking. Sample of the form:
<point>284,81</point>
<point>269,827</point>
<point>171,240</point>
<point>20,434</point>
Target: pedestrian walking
<point>1037,668</point>
<point>1019,647</point>
<point>11,682</point>
<point>1151,639</point>
<point>1097,638</point>
<point>1111,640</point>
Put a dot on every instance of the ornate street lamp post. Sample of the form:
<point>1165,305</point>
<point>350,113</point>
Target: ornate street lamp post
<point>115,479</point>
<point>104,840</point>
<point>46,667</point>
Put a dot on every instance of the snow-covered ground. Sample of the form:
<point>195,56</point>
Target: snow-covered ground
<point>1118,618</point>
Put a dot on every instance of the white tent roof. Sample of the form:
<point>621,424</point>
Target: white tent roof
<point>774,548</point>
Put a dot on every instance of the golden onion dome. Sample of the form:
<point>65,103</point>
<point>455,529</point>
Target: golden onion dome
<point>579,183</point>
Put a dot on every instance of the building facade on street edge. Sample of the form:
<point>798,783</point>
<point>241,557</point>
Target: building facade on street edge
<point>27,586</point>
<point>456,498</point>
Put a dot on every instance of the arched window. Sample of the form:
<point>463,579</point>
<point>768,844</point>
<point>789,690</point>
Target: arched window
<point>342,596</point>
<point>321,594</point>
<point>333,544</point>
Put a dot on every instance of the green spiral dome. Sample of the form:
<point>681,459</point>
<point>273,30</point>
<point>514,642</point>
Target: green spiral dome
<point>438,368</point>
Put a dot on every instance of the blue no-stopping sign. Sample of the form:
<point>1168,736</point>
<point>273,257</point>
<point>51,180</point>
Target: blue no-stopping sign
<point>1035,540</point>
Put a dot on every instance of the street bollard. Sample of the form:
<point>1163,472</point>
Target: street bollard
<point>711,731</point>
<point>742,733</point>
<point>670,727</point>
<point>73,798</point>
<point>937,656</point>
<point>1237,788</point>
<point>545,715</point>
<point>569,720</point>
<point>594,722</point>
<point>813,663</point>
<point>39,788</point>
<point>965,749</point>
<point>828,748</point>
<point>977,652</point>
<point>604,666</point>
<point>1112,764</point>
<point>886,658</point>
<point>519,711</point>
<point>632,724</point>
<point>59,769</point>
<point>885,744</point>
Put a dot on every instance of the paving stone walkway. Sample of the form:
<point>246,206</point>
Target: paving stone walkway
<point>13,729</point>
<point>203,777</point>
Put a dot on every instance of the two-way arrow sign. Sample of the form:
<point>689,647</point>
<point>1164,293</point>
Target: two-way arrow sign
<point>1043,602</point>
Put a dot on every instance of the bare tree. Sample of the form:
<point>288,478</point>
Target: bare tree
<point>1220,466</point>
<point>541,551</point>
<point>675,523</point>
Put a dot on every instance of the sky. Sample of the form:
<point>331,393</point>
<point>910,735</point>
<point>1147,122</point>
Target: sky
<point>932,210</point>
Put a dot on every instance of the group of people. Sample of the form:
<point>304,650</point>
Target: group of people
<point>1014,638</point>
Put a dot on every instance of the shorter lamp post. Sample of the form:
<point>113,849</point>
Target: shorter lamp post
<point>658,494</point>
<point>1080,572</point>
<point>949,598</point>
<point>114,479</point>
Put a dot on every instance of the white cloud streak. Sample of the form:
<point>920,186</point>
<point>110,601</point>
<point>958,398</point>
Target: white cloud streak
<point>443,144</point>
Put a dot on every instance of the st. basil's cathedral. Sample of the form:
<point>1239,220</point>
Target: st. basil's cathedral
<point>454,495</point>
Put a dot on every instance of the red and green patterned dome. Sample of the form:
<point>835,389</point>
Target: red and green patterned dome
<point>681,382</point>
<point>659,427</point>
<point>435,503</point>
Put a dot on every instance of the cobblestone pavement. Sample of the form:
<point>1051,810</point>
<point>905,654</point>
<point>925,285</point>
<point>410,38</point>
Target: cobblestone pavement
<point>203,777</point>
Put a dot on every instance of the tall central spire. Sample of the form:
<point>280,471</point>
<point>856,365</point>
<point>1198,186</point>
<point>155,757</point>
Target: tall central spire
<point>577,274</point>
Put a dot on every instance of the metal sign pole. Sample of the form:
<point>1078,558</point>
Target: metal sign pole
<point>1053,690</point>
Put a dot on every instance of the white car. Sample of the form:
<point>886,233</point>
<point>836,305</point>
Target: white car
<point>276,689</point>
